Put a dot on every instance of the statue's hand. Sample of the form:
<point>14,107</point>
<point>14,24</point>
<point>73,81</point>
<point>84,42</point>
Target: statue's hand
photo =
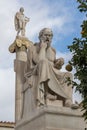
<point>43,44</point>
<point>58,63</point>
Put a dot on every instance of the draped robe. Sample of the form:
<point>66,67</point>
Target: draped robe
<point>40,70</point>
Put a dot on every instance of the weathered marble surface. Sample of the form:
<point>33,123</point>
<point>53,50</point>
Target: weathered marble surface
<point>20,44</point>
<point>53,118</point>
<point>44,79</point>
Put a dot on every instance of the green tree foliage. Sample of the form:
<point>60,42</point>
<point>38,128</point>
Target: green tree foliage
<point>82,5</point>
<point>79,59</point>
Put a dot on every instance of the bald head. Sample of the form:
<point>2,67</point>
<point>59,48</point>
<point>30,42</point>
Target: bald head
<point>45,36</point>
<point>45,30</point>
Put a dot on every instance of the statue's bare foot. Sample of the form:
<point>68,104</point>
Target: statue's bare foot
<point>68,103</point>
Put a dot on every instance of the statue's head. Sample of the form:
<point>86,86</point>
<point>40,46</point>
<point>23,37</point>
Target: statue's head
<point>22,9</point>
<point>46,35</point>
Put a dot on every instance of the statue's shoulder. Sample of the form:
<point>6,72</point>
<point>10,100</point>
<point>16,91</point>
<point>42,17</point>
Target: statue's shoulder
<point>53,49</point>
<point>17,15</point>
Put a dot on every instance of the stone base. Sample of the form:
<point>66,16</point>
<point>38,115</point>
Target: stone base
<point>53,118</point>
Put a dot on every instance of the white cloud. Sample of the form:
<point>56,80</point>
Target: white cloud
<point>46,18</point>
<point>7,94</point>
<point>76,96</point>
<point>66,55</point>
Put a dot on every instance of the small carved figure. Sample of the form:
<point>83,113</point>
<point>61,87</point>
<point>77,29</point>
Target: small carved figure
<point>20,22</point>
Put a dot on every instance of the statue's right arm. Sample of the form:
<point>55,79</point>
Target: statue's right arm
<point>42,52</point>
<point>17,15</point>
<point>16,20</point>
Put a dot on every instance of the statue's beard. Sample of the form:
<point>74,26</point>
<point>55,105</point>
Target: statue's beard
<point>48,42</point>
<point>48,45</point>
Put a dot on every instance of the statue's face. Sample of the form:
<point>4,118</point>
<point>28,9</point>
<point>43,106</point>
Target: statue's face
<point>47,37</point>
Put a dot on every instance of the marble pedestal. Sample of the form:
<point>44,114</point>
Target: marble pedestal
<point>52,118</point>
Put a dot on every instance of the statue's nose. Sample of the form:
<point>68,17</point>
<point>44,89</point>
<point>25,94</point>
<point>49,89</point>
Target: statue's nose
<point>47,37</point>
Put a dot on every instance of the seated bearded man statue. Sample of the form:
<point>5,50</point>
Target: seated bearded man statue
<point>43,73</point>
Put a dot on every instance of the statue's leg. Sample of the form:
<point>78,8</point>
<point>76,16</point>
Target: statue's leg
<point>23,29</point>
<point>43,77</point>
<point>43,71</point>
<point>68,89</point>
<point>40,95</point>
<point>68,102</point>
<point>23,32</point>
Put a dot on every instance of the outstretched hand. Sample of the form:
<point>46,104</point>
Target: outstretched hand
<point>58,63</point>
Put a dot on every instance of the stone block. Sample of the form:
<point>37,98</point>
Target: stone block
<point>53,118</point>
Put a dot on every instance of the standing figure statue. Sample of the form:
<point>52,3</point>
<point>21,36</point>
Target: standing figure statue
<point>20,22</point>
<point>44,80</point>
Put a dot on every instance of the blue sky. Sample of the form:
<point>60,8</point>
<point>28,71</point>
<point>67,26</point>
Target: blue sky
<point>60,15</point>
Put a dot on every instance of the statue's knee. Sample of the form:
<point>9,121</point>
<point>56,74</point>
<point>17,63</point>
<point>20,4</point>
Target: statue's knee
<point>68,102</point>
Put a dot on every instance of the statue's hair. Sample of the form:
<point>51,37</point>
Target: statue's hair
<point>44,29</point>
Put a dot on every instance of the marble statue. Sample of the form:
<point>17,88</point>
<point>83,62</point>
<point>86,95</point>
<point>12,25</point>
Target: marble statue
<point>20,22</point>
<point>44,80</point>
